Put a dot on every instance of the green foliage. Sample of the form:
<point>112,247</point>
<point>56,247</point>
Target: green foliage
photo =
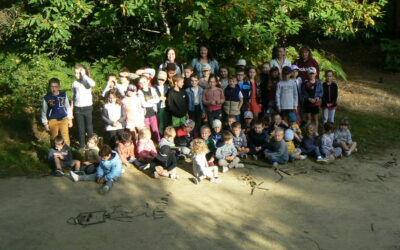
<point>391,48</point>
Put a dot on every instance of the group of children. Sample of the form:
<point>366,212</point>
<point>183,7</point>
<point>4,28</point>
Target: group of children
<point>153,121</point>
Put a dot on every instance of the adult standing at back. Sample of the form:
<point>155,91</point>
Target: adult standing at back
<point>306,62</point>
<point>279,59</point>
<point>82,102</point>
<point>205,57</point>
<point>171,57</point>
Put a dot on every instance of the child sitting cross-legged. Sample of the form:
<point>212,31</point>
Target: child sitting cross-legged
<point>109,170</point>
<point>240,140</point>
<point>168,139</point>
<point>164,164</point>
<point>146,151</point>
<point>201,168</point>
<point>294,153</point>
<point>343,138</point>
<point>126,148</point>
<point>184,138</point>
<point>327,148</point>
<point>217,135</point>
<point>277,150</point>
<point>91,161</point>
<point>258,140</point>
<point>227,153</point>
<point>60,156</point>
<point>309,144</point>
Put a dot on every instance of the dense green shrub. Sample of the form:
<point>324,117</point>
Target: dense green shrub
<point>391,48</point>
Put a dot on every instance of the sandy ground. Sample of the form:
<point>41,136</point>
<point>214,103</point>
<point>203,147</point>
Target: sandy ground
<point>350,204</point>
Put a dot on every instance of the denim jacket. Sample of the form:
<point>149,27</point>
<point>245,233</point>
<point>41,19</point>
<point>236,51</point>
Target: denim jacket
<point>190,94</point>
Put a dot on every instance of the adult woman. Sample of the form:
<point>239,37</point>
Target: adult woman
<point>204,58</point>
<point>279,59</point>
<point>171,57</point>
<point>305,62</point>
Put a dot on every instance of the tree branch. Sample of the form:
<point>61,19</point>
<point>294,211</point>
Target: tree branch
<point>164,19</point>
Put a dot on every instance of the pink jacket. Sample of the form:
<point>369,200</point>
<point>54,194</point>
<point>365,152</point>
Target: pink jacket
<point>146,149</point>
<point>211,95</point>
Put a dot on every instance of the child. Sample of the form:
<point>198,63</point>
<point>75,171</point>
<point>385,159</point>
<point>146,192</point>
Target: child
<point>184,137</point>
<point>188,70</point>
<point>126,148</point>
<point>230,121</point>
<point>294,153</point>
<point>171,72</point>
<point>109,170</point>
<point>114,116</point>
<point>212,148</point>
<point>111,84</point>
<point>177,102</point>
<point>258,140</point>
<point>309,145</point>
<point>213,98</point>
<point>82,102</point>
<point>90,163</point>
<point>227,153</point>
<point>327,148</point>
<point>343,138</point>
<point>294,126</point>
<point>217,135</point>
<point>201,168</point>
<point>149,99</point>
<point>312,93</point>
<point>240,140</point>
<point>162,89</point>
<point>134,111</point>
<point>271,90</point>
<point>164,164</point>
<point>146,151</point>
<point>277,151</point>
<point>245,88</point>
<point>124,81</point>
<point>233,99</point>
<point>264,79</point>
<point>299,82</point>
<point>61,157</point>
<point>286,93</point>
<point>248,121</point>
<point>329,98</point>
<point>277,122</point>
<point>255,93</point>
<point>168,139</point>
<point>224,77</point>
<point>197,110</point>
<point>56,112</point>
<point>204,81</point>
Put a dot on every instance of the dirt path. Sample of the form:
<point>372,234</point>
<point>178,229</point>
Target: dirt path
<point>351,204</point>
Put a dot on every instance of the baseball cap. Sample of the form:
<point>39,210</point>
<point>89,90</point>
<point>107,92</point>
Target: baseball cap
<point>292,117</point>
<point>131,87</point>
<point>289,135</point>
<point>241,62</point>
<point>216,123</point>
<point>294,67</point>
<point>189,123</point>
<point>206,67</point>
<point>312,70</point>
<point>162,75</point>
<point>248,114</point>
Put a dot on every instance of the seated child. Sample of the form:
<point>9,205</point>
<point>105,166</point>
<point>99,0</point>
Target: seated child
<point>294,153</point>
<point>201,168</point>
<point>217,135</point>
<point>258,140</point>
<point>164,164</point>
<point>205,132</point>
<point>168,139</point>
<point>293,125</point>
<point>91,161</point>
<point>61,157</point>
<point>109,170</point>
<point>277,150</point>
<point>327,148</point>
<point>229,122</point>
<point>248,121</point>
<point>227,153</point>
<point>309,144</point>
<point>184,138</point>
<point>126,148</point>
<point>277,122</point>
<point>146,151</point>
<point>343,139</point>
<point>240,140</point>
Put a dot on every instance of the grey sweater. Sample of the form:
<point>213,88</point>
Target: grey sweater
<point>240,141</point>
<point>286,95</point>
<point>279,149</point>
<point>225,150</point>
<point>342,136</point>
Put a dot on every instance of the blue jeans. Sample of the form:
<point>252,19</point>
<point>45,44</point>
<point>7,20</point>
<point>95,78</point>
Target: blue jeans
<point>110,182</point>
<point>277,159</point>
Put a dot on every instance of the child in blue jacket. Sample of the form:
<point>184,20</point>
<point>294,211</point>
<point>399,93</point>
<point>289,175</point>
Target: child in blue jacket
<point>109,169</point>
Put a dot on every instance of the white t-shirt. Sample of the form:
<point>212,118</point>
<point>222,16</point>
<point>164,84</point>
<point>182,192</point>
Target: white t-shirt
<point>82,91</point>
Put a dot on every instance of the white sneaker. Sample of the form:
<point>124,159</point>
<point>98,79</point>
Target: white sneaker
<point>239,165</point>
<point>303,157</point>
<point>275,164</point>
<point>74,176</point>
<point>104,189</point>
<point>147,166</point>
<point>196,180</point>
<point>122,170</point>
<point>225,169</point>
<point>255,157</point>
<point>174,176</point>
<point>323,160</point>
<point>215,180</point>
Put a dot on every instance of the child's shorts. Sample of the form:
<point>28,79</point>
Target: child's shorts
<point>309,108</point>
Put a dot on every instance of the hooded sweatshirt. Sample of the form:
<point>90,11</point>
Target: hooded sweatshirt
<point>111,168</point>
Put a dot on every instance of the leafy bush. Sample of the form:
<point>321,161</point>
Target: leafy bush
<point>391,48</point>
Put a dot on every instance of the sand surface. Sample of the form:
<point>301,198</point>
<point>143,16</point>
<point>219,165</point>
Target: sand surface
<point>350,204</point>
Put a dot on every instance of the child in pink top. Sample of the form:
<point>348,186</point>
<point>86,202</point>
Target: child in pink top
<point>134,110</point>
<point>146,151</point>
<point>126,148</point>
<point>213,98</point>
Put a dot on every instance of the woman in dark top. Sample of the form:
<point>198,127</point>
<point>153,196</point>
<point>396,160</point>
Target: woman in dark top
<point>305,62</point>
<point>171,57</point>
